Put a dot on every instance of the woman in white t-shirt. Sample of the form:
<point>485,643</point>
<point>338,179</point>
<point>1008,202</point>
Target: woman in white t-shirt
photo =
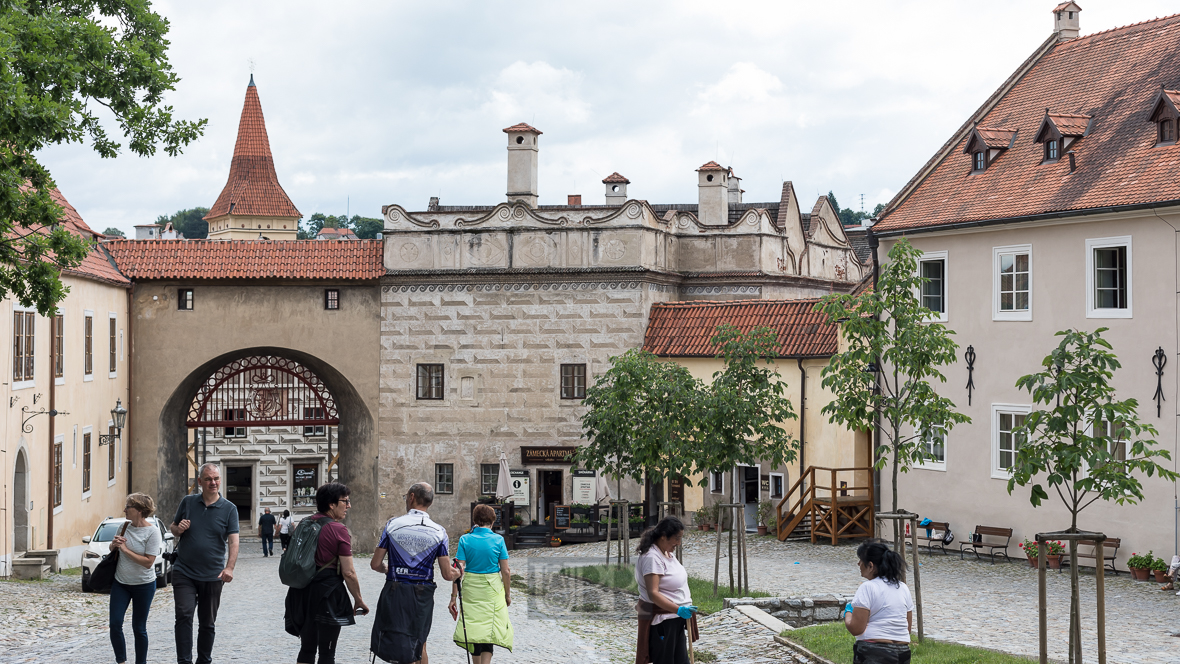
<point>285,529</point>
<point>882,610</point>
<point>135,576</point>
<point>665,604</point>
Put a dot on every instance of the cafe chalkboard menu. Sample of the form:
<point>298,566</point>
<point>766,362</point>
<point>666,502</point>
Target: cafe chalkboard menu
<point>561,517</point>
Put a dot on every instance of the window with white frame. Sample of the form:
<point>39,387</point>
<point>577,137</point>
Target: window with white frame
<point>717,482</point>
<point>933,442</point>
<point>314,413</point>
<point>777,482</point>
<point>1116,437</point>
<point>489,476</point>
<point>229,415</point>
<point>112,351</point>
<point>1108,277</point>
<point>24,327</point>
<point>1006,440</point>
<point>932,268</point>
<point>88,346</point>
<point>1012,283</point>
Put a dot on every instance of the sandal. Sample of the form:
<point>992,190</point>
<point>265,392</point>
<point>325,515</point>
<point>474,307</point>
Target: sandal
<point>1167,587</point>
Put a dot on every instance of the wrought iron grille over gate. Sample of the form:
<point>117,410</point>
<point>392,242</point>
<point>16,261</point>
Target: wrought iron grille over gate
<point>262,390</point>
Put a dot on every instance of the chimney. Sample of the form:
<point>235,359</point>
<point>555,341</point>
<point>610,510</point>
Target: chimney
<point>1065,20</point>
<point>713,190</point>
<point>573,200</point>
<point>522,164</point>
<point>1073,162</point>
<point>616,189</point>
<point>735,188</point>
<point>432,206</point>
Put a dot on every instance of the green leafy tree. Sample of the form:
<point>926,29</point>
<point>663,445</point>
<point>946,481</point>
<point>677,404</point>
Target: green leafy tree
<point>893,352</point>
<point>1085,443</point>
<point>190,223</point>
<point>59,63</point>
<point>367,228</point>
<point>850,217</point>
<point>114,232</point>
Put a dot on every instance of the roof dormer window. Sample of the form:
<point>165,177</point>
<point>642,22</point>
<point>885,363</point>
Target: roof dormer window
<point>1059,131</point>
<point>1052,150</point>
<point>986,145</point>
<point>1165,114</point>
<point>1167,131</point>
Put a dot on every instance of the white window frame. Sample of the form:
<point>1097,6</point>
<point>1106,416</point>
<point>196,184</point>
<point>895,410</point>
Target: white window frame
<point>714,485</point>
<point>115,317</point>
<point>931,256</point>
<point>927,464</point>
<point>93,446</point>
<point>783,479</point>
<point>53,370</point>
<point>1011,409</point>
<point>59,439</point>
<point>74,463</point>
<point>25,384</point>
<point>87,377</point>
<point>997,252</point>
<point>1107,243</point>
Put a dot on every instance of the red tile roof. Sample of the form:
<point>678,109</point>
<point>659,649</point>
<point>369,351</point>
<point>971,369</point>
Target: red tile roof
<point>253,187</point>
<point>1112,76</point>
<point>96,265</point>
<point>615,177</point>
<point>248,259</point>
<point>336,234</point>
<point>684,329</point>
<point>523,127</point>
<point>711,166</point>
<point>1069,125</point>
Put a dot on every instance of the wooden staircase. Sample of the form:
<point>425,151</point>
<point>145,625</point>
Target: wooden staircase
<point>822,505</point>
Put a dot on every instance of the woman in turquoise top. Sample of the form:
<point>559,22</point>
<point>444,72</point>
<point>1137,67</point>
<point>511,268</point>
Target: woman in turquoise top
<point>487,589</point>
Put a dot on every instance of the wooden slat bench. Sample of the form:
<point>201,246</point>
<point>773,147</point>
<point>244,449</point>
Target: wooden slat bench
<point>1110,551</point>
<point>988,531</point>
<point>938,530</point>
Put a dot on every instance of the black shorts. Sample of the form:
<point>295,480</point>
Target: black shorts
<point>480,648</point>
<point>866,652</point>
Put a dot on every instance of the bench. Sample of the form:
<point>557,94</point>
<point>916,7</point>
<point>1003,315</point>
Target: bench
<point>977,542</point>
<point>935,540</point>
<point>1110,551</point>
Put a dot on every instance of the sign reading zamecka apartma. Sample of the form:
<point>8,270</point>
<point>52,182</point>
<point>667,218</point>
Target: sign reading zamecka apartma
<point>547,454</point>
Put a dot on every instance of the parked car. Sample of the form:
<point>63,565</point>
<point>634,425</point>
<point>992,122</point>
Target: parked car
<point>98,546</point>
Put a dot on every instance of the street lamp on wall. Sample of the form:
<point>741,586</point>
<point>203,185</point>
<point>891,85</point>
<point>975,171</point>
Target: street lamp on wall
<point>119,415</point>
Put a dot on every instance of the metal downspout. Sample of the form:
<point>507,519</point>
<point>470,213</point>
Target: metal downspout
<point>874,244</point>
<point>127,345</point>
<point>52,407</point>
<point>802,424</point>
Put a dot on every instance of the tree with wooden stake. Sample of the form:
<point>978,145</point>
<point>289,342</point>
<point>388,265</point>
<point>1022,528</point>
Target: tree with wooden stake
<point>745,406</point>
<point>1085,444</point>
<point>894,350</point>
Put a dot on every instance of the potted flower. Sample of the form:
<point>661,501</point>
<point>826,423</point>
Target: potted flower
<point>1140,566</point>
<point>1053,558</point>
<point>1030,550</point>
<point>766,514</point>
<point>1160,569</point>
<point>555,541</point>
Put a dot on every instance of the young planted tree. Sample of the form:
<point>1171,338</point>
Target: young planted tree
<point>894,351</point>
<point>61,65</point>
<point>1085,444</point>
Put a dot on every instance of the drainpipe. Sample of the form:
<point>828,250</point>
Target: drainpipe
<point>130,377</point>
<point>52,407</point>
<point>802,424</point>
<point>874,243</point>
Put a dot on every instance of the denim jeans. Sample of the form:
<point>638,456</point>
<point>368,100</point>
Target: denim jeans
<point>140,598</point>
<point>268,544</point>
<point>202,598</point>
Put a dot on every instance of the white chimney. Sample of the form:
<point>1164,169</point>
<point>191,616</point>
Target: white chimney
<point>735,188</point>
<point>713,190</point>
<point>522,164</point>
<point>1065,20</point>
<point>616,189</point>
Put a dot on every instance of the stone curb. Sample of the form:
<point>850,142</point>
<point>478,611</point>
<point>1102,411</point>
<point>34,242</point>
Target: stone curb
<point>800,650</point>
<point>763,618</point>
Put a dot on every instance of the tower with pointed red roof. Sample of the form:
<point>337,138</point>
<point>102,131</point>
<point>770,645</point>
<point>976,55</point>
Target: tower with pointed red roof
<point>253,204</point>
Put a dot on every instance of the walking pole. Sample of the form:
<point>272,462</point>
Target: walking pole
<point>688,628</point>
<point>462,617</point>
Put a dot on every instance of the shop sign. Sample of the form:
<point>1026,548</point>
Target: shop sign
<point>532,455</point>
<point>584,486</point>
<point>520,487</point>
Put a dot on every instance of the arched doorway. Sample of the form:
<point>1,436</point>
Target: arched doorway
<point>20,504</point>
<point>279,423</point>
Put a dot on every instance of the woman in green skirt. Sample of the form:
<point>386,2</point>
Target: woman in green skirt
<point>482,620</point>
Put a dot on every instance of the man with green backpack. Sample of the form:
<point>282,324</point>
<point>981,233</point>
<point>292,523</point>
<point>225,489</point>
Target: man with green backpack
<point>317,568</point>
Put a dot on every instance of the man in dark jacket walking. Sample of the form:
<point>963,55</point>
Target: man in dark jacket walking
<point>266,530</point>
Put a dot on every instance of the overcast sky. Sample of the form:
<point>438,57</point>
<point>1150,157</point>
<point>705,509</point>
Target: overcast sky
<point>394,102</point>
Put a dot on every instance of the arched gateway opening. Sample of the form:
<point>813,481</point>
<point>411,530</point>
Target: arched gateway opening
<point>279,423</point>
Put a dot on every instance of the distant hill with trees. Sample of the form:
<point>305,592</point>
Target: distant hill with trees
<point>190,223</point>
<point>366,228</point>
<point>849,217</point>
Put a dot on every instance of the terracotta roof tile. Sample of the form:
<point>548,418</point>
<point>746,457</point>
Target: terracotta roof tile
<point>685,329</point>
<point>711,166</point>
<point>523,127</point>
<point>96,265</point>
<point>1069,125</point>
<point>615,177</point>
<point>248,259</point>
<point>1111,76</point>
<point>253,187</point>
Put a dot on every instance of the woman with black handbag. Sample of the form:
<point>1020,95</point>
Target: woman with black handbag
<point>136,547</point>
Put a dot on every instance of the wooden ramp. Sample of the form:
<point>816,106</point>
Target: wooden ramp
<point>827,503</point>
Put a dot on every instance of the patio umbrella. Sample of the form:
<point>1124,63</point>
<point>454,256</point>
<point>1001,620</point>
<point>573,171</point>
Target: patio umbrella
<point>601,489</point>
<point>504,481</point>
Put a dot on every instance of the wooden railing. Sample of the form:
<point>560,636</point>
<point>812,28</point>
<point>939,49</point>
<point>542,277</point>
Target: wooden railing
<point>837,511</point>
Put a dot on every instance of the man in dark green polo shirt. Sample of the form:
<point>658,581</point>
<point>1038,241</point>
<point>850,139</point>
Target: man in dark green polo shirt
<point>207,525</point>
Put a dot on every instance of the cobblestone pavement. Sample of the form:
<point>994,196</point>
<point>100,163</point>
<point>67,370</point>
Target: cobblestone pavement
<point>975,603</point>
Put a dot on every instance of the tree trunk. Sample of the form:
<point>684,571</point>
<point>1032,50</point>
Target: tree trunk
<point>1075,618</point>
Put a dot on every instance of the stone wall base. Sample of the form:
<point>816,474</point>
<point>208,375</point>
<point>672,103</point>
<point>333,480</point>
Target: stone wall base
<point>797,611</point>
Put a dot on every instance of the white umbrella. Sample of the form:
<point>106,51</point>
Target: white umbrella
<point>601,489</point>
<point>504,482</point>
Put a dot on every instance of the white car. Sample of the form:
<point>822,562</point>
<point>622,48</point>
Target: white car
<point>99,545</point>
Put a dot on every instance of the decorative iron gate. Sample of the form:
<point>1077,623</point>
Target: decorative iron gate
<point>262,390</point>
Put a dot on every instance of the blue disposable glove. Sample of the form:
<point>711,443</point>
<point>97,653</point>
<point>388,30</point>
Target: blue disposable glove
<point>686,611</point>
<point>847,609</point>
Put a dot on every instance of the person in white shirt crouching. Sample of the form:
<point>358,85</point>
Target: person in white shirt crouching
<point>882,611</point>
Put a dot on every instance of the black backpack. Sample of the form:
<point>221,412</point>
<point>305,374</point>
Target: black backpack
<point>297,567</point>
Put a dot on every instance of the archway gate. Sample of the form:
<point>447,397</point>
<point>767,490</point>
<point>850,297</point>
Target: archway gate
<point>261,391</point>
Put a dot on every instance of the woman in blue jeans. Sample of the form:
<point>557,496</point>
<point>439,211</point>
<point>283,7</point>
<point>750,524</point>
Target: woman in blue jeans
<point>135,578</point>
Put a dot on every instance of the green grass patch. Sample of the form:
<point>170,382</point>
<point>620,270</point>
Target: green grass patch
<point>832,641</point>
<point>705,656</point>
<point>623,577</point>
<point>72,571</point>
